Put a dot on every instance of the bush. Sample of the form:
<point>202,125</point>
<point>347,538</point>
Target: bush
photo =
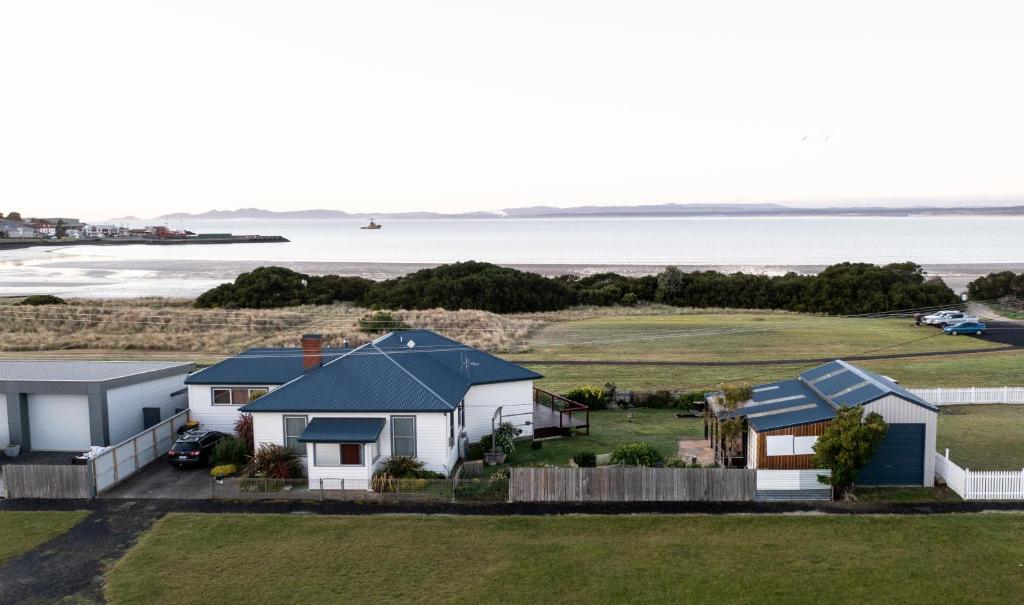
<point>223,470</point>
<point>596,398</point>
<point>274,462</point>
<point>505,438</point>
<point>42,299</point>
<point>537,445</point>
<point>243,430</point>
<point>230,451</point>
<point>636,454</point>
<point>380,322</point>
<point>585,459</point>
<point>401,472</point>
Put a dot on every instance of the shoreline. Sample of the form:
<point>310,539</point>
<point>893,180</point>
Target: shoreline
<point>18,244</point>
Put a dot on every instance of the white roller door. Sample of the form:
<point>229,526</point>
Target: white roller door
<point>59,422</point>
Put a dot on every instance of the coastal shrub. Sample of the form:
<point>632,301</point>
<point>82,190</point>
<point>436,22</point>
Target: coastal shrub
<point>230,450</point>
<point>846,445</point>
<point>42,299</point>
<point>585,459</point>
<point>274,462</point>
<point>596,398</point>
<point>380,322</point>
<point>537,445</point>
<point>841,289</point>
<point>223,470</point>
<point>639,453</point>
<point>996,285</point>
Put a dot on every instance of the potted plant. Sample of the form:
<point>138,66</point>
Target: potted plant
<point>12,450</point>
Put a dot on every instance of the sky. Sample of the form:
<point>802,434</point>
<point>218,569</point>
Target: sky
<point>142,108</point>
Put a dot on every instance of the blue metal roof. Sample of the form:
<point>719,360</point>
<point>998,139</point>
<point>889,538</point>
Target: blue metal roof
<point>815,395</point>
<point>432,374</point>
<point>846,385</point>
<point>473,364</point>
<point>342,430</point>
<point>782,404</point>
<point>259,366</point>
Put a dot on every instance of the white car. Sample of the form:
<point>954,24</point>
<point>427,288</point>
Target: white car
<point>951,319</point>
<point>934,318</point>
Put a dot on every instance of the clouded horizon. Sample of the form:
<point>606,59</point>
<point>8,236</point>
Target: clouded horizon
<point>146,108</point>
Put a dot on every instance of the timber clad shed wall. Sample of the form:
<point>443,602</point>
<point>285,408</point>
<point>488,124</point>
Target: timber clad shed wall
<point>764,461</point>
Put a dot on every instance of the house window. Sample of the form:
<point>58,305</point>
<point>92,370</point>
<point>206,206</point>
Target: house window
<point>403,436</point>
<point>238,395</point>
<point>779,445</point>
<point>338,454</point>
<point>293,427</point>
<point>804,446</point>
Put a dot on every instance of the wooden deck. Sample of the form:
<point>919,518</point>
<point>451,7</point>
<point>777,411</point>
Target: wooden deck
<point>555,415</point>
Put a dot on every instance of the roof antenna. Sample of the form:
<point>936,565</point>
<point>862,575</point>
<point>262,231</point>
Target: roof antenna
<point>467,365</point>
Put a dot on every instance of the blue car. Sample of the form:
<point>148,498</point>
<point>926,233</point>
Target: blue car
<point>967,327</point>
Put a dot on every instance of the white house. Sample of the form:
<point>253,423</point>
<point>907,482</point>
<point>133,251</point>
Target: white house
<point>73,405</point>
<point>411,392</point>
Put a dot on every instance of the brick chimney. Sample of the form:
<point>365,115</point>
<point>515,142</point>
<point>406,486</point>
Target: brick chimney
<point>312,351</point>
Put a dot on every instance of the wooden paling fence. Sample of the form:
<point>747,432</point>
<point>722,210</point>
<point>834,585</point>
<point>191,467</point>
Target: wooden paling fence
<point>979,485</point>
<point>48,481</point>
<point>632,484</point>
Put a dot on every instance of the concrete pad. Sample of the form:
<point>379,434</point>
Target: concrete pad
<point>696,448</point>
<point>161,480</point>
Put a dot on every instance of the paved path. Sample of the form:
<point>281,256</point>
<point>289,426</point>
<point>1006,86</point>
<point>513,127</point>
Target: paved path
<point>70,567</point>
<point>159,479</point>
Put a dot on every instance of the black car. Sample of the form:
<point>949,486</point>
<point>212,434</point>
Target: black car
<point>193,448</point>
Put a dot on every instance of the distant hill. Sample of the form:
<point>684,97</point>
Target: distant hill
<point>642,210</point>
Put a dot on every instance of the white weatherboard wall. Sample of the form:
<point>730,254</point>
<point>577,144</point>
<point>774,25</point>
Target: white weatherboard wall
<point>789,480</point>
<point>752,437</point>
<point>124,404</point>
<point>59,422</point>
<point>431,439</point>
<point>515,399</point>
<point>5,436</point>
<point>895,410</point>
<point>215,417</point>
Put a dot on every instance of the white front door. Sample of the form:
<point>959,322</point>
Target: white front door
<point>59,422</point>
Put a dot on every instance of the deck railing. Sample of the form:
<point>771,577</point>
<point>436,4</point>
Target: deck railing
<point>565,408</point>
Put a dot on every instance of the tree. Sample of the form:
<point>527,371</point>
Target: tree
<point>733,397</point>
<point>846,445</point>
<point>60,228</point>
<point>14,216</point>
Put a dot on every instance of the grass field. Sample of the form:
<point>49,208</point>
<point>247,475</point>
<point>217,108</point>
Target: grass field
<point>205,558</point>
<point>995,369</point>
<point>21,531</point>
<point>983,437</point>
<point>753,336</point>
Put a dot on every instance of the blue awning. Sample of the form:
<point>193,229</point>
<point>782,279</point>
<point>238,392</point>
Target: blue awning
<point>342,430</point>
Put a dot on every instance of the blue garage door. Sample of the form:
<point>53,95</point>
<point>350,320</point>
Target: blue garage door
<point>899,459</point>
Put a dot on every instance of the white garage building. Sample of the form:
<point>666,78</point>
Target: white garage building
<point>72,405</point>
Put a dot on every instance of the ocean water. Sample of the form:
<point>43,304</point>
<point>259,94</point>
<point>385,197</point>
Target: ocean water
<point>750,243</point>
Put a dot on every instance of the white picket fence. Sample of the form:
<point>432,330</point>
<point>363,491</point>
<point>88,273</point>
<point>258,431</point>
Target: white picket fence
<point>971,395</point>
<point>979,485</point>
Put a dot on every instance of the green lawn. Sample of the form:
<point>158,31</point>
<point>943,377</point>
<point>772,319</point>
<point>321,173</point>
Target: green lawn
<point>997,369</point>
<point>906,494</point>
<point>206,558</point>
<point>983,437</point>
<point>738,336</point>
<point>21,531</point>
<point>753,336</point>
<point>610,428</point>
